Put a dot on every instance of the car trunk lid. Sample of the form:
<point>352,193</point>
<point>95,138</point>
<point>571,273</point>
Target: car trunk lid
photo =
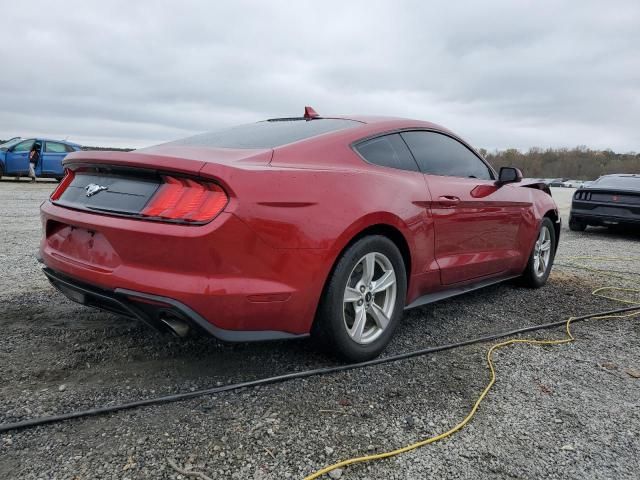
<point>123,183</point>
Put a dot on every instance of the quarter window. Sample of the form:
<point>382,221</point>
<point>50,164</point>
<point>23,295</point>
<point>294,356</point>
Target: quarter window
<point>388,151</point>
<point>438,154</point>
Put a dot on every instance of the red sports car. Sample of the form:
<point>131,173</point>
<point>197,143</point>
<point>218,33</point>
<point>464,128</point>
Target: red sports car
<point>322,226</point>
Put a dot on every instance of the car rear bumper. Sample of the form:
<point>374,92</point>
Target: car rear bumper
<point>161,313</point>
<point>599,214</point>
<point>219,277</point>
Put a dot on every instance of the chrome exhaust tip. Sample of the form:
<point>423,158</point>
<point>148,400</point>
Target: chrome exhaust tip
<point>178,327</point>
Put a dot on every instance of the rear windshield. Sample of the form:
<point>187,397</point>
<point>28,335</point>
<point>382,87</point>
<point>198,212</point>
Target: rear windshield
<point>628,182</point>
<point>266,134</point>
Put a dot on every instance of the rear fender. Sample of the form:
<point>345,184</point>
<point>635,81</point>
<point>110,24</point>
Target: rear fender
<point>543,205</point>
<point>372,220</point>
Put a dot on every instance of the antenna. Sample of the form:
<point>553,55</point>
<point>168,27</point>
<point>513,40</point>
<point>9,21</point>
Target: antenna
<point>310,113</point>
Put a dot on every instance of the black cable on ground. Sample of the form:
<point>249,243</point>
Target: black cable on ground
<point>34,422</point>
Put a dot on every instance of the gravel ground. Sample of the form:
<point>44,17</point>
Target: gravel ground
<point>556,412</point>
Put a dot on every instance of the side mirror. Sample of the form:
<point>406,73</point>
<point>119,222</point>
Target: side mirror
<point>509,175</point>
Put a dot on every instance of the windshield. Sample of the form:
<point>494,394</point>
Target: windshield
<point>10,143</point>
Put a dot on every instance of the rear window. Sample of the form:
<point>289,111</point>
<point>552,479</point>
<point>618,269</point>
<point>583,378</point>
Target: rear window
<point>266,134</point>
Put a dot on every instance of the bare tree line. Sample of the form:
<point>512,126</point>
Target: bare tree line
<point>580,163</point>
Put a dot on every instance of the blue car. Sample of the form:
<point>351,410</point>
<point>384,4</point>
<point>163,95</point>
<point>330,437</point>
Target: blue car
<point>14,157</point>
<point>10,140</point>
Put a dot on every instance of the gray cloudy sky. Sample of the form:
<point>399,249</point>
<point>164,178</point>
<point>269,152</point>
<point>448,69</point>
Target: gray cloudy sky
<point>500,73</point>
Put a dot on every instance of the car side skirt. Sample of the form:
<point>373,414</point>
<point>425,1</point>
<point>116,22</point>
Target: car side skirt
<point>452,292</point>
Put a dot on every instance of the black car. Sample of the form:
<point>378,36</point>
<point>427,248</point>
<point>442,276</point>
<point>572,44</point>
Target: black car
<point>610,200</point>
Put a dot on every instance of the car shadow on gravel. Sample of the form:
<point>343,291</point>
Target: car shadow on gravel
<point>614,232</point>
<point>50,342</point>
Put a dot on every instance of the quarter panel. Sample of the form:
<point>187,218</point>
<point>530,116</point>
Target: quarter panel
<point>311,208</point>
<point>325,208</point>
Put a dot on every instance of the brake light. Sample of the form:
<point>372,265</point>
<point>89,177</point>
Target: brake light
<point>66,181</point>
<point>187,200</point>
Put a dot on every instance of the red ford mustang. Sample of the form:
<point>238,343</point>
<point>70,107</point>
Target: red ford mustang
<point>293,226</point>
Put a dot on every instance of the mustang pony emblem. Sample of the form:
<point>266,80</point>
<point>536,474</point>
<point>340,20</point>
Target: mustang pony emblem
<point>94,188</point>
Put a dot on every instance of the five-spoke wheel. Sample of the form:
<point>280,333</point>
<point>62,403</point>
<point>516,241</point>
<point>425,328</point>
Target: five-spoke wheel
<point>542,251</point>
<point>369,298</point>
<point>541,258</point>
<point>363,300</point>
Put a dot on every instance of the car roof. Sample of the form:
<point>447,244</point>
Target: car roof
<point>372,125</point>
<point>283,132</point>
<point>383,122</point>
<point>41,139</point>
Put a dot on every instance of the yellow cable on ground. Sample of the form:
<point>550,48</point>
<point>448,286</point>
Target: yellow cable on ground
<point>568,339</point>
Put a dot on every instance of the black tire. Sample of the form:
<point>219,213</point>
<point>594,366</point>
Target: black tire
<point>576,225</point>
<point>330,330</point>
<point>532,277</point>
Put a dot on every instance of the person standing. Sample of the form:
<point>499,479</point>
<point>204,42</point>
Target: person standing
<point>34,155</point>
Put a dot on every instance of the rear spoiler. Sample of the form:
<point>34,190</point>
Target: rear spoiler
<point>186,160</point>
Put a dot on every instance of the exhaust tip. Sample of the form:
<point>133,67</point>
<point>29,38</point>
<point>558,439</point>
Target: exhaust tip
<point>178,327</point>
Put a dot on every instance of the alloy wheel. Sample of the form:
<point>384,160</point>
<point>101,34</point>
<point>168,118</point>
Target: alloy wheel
<point>369,298</point>
<point>542,252</point>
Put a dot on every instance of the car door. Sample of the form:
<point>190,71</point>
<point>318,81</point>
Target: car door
<point>17,158</point>
<point>51,160</point>
<point>476,223</point>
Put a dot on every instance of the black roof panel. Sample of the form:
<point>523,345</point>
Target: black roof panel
<point>267,134</point>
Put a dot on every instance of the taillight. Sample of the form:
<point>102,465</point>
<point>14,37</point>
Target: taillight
<point>187,200</point>
<point>66,181</point>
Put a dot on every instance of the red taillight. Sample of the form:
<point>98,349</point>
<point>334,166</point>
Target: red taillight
<point>165,198</point>
<point>187,200</point>
<point>66,181</point>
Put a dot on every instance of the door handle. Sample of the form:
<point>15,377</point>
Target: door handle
<point>448,201</point>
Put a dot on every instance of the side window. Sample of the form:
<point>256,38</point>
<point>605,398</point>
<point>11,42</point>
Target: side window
<point>388,151</point>
<point>53,147</point>
<point>69,148</point>
<point>438,154</point>
<point>24,146</point>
